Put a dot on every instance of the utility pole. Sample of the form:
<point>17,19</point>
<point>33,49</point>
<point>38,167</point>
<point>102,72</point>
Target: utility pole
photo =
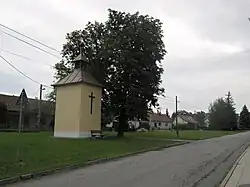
<point>176,118</point>
<point>20,114</point>
<point>19,125</point>
<point>39,106</point>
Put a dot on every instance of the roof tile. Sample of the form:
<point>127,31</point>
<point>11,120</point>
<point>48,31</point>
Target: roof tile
<point>78,76</point>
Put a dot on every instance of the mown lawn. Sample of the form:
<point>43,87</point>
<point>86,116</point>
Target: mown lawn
<point>185,135</point>
<point>40,151</point>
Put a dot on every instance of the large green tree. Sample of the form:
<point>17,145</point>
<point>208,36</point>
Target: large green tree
<point>200,117</point>
<point>244,118</point>
<point>125,55</point>
<point>222,115</point>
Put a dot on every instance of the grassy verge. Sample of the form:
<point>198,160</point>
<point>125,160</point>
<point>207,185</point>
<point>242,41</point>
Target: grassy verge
<point>40,151</point>
<point>185,135</point>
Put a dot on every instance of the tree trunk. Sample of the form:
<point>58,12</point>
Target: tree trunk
<point>122,123</point>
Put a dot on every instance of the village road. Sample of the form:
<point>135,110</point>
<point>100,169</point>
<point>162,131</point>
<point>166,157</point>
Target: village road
<point>201,163</point>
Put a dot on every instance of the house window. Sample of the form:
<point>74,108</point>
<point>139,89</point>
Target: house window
<point>155,125</point>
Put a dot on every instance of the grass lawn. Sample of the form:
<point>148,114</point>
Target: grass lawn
<point>40,151</point>
<point>185,135</point>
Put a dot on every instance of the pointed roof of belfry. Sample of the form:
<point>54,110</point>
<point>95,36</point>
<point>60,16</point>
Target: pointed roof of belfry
<point>79,75</point>
<point>81,57</point>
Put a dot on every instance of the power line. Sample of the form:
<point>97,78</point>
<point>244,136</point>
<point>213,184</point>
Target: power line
<point>28,77</point>
<point>193,106</point>
<point>167,99</point>
<point>29,38</point>
<point>18,70</point>
<point>47,86</point>
<point>184,103</point>
<point>35,94</point>
<point>24,57</point>
<point>30,44</point>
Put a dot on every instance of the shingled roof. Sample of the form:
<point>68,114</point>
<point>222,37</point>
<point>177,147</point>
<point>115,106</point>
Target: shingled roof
<point>188,119</point>
<point>78,76</point>
<point>10,101</point>
<point>154,117</point>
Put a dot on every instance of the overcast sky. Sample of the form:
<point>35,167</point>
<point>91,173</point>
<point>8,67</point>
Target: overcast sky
<point>208,44</point>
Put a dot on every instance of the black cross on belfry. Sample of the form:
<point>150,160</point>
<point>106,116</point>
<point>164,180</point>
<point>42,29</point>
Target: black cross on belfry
<point>92,97</point>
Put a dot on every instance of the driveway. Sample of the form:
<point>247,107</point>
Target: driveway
<point>201,163</point>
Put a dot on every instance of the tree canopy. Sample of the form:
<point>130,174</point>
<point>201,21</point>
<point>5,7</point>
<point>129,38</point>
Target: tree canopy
<point>222,115</point>
<point>125,55</point>
<point>200,117</point>
<point>244,118</point>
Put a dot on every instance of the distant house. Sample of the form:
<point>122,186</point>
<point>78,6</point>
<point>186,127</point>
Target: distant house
<point>154,121</point>
<point>160,121</point>
<point>134,124</point>
<point>30,113</point>
<point>186,121</point>
<point>207,121</point>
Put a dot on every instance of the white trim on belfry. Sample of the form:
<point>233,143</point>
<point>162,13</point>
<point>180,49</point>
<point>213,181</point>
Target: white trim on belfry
<point>72,134</point>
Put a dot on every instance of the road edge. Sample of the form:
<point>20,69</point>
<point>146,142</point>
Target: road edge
<point>35,175</point>
<point>230,172</point>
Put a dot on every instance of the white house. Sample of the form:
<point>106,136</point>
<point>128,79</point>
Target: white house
<point>207,122</point>
<point>160,121</point>
<point>134,124</point>
<point>155,121</point>
<point>186,121</point>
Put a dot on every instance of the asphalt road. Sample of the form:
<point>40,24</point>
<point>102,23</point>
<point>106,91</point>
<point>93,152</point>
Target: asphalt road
<point>202,163</point>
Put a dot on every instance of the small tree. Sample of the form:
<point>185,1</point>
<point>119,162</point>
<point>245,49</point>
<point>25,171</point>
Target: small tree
<point>200,117</point>
<point>222,115</point>
<point>244,118</point>
<point>217,115</point>
<point>231,112</point>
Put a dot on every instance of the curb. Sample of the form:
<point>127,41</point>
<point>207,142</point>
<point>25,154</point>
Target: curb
<point>230,173</point>
<point>29,176</point>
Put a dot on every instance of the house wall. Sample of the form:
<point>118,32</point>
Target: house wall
<point>160,125</point>
<point>180,121</point>
<point>90,121</point>
<point>169,125</point>
<point>67,113</point>
<point>33,121</point>
<point>184,124</point>
<point>134,124</point>
<point>206,123</point>
<point>12,120</point>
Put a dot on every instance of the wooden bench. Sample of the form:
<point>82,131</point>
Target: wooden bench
<point>96,134</point>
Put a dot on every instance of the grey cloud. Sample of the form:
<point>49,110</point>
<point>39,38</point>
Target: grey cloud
<point>197,80</point>
<point>217,20</point>
<point>13,84</point>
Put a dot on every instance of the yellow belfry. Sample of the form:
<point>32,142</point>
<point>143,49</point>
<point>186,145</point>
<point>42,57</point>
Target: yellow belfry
<point>78,103</point>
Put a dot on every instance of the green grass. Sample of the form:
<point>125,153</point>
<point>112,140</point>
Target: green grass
<point>185,135</point>
<point>40,151</point>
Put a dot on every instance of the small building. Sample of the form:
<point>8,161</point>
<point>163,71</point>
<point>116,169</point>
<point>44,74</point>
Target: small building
<point>30,113</point>
<point>78,103</point>
<point>160,121</point>
<point>186,121</point>
<point>134,124</point>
